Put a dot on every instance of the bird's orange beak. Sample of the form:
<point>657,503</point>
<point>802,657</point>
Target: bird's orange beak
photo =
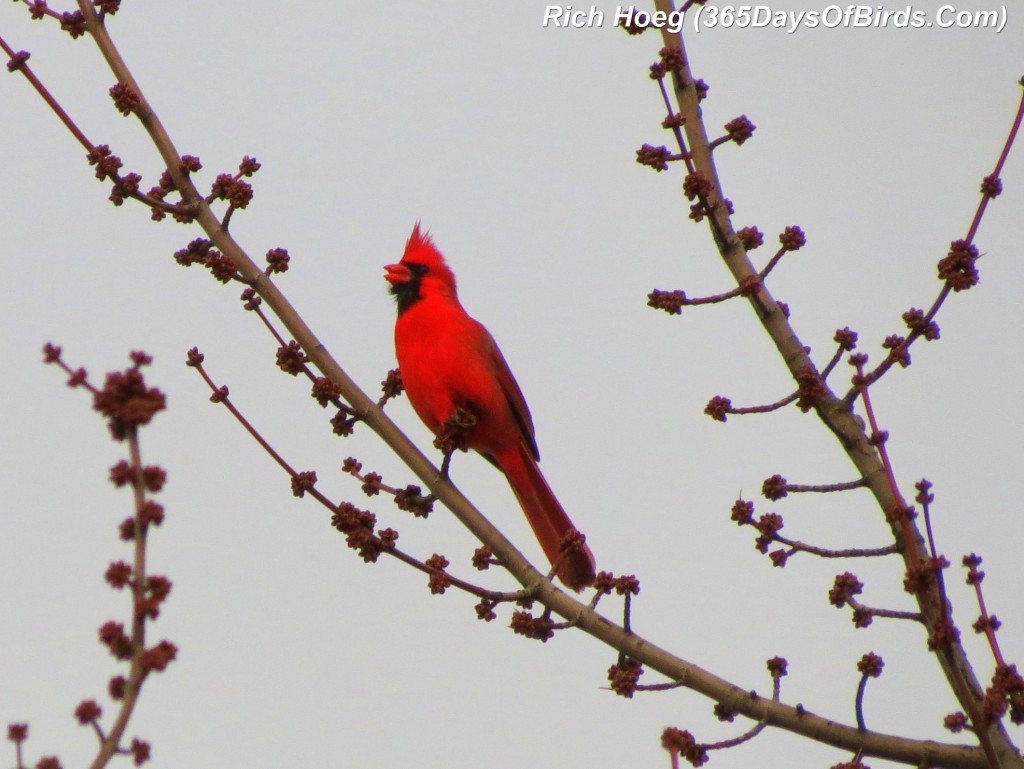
<point>397,273</point>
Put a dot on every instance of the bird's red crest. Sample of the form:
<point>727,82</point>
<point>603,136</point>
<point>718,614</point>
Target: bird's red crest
<point>420,249</point>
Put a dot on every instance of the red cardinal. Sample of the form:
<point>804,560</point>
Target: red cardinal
<point>449,361</point>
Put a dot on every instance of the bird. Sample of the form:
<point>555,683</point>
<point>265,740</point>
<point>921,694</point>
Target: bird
<point>451,367</point>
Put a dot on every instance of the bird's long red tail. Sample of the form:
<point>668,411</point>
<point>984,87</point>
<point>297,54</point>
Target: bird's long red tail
<point>548,519</point>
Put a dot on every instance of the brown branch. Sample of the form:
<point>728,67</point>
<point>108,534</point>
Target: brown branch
<point>836,414</point>
<point>989,190</point>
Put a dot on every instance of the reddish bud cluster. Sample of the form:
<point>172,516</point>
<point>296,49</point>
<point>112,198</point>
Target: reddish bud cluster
<point>793,239</point>
<point>845,338</point>
<point>871,665</point>
<point>342,424</point>
<point>777,667</point>
<point>1006,693</point>
<point>697,185</point>
<point>17,61</point>
<point>986,624</point>
<point>955,722</point>
<point>972,562</point>
<point>122,474</point>
<point>124,187</point>
<point>392,385</point>
<point>718,407</point>
<point>769,525</point>
<point>194,252</point>
<point>412,500</point>
<point>358,527</point>
<point>604,583</point>
<point>157,590</point>
<point>749,285</point>
<point>775,488</point>
<point>126,99</point>
<point>455,433</point>
<point>325,391</point>
<point>112,636</point>
<point>277,260</point>
<point>740,129</point>
<point>248,166</point>
<point>915,320</point>
<point>536,628</point>
<point>743,512</point>
<point>118,575</point>
<point>482,558</point>
<point>200,251</point>
<point>810,388</point>
<point>944,634</point>
<point>73,24</point>
<point>303,482</point>
<point>251,300</point>
<point>669,301</point>
<point>924,576</point>
<point>87,712</point>
<point>371,484</point>
<point>672,58</point>
<point>291,359</point>
<point>221,266</point>
<point>126,529</point>
<point>117,687</point>
<point>702,89</point>
<point>655,157</point>
<point>723,713</point>
<point>624,675</point>
<point>991,186</point>
<point>957,268</point>
<point>107,164</point>
<point>485,610</point>
<point>17,733</point>
<point>750,237</point>
<point>151,513</point>
<point>140,752</point>
<point>127,402</point>
<point>846,586</point>
<point>674,120</point>
<point>190,164</point>
<point>924,495</point>
<point>235,191</point>
<point>157,658</point>
<point>681,742</point>
<point>439,580</point>
<point>49,762</point>
<point>897,347</point>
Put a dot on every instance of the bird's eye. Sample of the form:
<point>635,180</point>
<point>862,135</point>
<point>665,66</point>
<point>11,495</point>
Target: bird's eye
<point>418,270</point>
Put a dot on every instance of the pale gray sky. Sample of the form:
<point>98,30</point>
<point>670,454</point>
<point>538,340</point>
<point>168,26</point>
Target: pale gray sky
<point>515,144</point>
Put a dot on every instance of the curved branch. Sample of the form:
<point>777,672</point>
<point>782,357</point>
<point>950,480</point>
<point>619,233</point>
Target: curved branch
<point>833,412</point>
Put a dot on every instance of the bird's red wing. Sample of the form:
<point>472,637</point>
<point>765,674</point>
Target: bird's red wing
<point>509,386</point>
